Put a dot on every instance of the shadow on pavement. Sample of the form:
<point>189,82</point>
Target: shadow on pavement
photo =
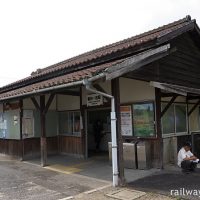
<point>167,183</point>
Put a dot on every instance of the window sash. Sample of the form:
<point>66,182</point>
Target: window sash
<point>70,118</point>
<point>174,107</point>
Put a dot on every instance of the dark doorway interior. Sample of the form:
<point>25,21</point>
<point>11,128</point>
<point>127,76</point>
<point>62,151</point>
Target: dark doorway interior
<point>99,132</point>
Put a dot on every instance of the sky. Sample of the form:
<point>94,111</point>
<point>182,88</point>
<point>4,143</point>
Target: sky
<point>38,33</point>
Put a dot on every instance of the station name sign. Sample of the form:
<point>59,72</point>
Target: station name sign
<point>94,100</point>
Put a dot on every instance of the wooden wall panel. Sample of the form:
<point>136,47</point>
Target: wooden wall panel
<point>155,153</point>
<point>70,145</point>
<point>31,147</point>
<point>55,145</point>
<point>52,145</point>
<point>10,147</point>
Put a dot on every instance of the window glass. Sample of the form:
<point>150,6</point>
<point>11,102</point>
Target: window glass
<point>194,119</point>
<point>69,123</point>
<point>143,120</point>
<point>27,124</point>
<point>168,120</point>
<point>77,122</point>
<point>181,121</point>
<point>63,122</point>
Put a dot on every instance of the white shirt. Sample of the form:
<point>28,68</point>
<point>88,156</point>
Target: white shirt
<point>182,154</point>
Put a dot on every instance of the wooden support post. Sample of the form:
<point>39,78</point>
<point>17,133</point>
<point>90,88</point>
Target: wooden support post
<point>82,123</point>
<point>43,108</point>
<point>35,103</point>
<point>21,136</point>
<point>43,144</point>
<point>51,97</point>
<point>158,126</point>
<point>116,93</point>
<point>188,116</point>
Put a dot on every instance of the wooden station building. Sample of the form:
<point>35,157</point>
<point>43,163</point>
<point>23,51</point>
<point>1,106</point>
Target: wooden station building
<point>154,78</point>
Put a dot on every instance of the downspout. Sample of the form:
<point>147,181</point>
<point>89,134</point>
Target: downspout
<point>113,130</point>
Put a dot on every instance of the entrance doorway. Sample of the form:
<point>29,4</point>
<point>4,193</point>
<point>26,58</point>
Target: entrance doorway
<point>98,132</point>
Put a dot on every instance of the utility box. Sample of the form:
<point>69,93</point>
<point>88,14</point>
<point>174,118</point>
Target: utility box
<point>144,155</point>
<point>128,155</point>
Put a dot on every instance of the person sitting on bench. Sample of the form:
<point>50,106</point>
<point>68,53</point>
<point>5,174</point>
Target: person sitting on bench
<point>186,160</point>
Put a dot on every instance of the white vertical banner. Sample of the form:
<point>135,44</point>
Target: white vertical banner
<point>126,120</point>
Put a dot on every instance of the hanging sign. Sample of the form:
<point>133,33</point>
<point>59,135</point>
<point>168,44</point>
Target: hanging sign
<point>126,120</point>
<point>94,100</point>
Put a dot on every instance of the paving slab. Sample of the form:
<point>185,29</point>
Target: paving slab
<point>126,194</point>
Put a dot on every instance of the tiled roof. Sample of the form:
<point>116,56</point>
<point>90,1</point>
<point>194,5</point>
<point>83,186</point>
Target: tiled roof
<point>68,78</point>
<point>25,86</point>
<point>135,41</point>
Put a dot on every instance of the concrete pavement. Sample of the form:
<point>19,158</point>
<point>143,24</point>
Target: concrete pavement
<point>19,180</point>
<point>28,181</point>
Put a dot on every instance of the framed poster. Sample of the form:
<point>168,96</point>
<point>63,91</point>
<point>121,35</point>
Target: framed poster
<point>143,120</point>
<point>126,121</point>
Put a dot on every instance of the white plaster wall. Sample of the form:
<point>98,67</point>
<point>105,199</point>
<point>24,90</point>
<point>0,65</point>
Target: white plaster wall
<point>28,104</point>
<point>67,102</point>
<point>134,90</point>
<point>130,90</point>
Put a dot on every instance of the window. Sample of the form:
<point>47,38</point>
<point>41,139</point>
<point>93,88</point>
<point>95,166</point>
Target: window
<point>181,121</point>
<point>2,125</point>
<point>69,123</point>
<point>175,119</point>
<point>194,119</point>
<point>143,120</point>
<point>168,120</point>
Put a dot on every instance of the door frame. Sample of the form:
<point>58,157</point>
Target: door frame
<point>89,109</point>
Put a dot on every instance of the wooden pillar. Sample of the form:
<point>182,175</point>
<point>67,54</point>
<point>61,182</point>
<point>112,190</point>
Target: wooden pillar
<point>21,136</point>
<point>158,126</point>
<point>82,124</point>
<point>115,87</point>
<point>43,144</point>
<point>188,116</point>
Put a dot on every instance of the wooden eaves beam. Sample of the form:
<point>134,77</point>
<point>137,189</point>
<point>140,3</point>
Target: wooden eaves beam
<point>51,97</point>
<point>137,61</point>
<point>46,107</point>
<point>167,94</point>
<point>35,103</point>
<point>68,92</point>
<point>170,35</point>
<point>193,97</point>
<point>194,107</point>
<point>169,104</point>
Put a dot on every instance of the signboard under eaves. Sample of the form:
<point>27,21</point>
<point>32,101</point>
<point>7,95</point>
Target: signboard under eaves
<point>94,100</point>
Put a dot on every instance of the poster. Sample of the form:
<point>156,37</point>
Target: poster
<point>126,121</point>
<point>27,124</point>
<point>143,120</point>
